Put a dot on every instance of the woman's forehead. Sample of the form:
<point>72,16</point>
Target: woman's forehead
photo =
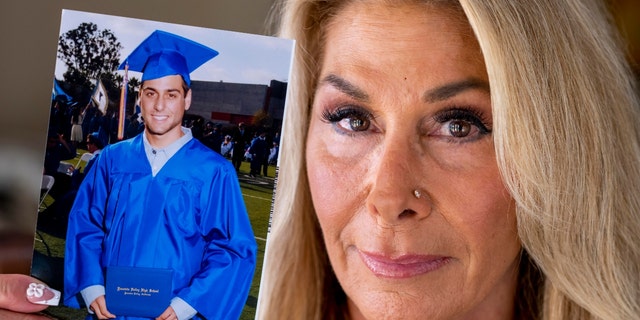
<point>423,42</point>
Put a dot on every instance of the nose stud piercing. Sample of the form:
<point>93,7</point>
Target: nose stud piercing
<point>417,194</point>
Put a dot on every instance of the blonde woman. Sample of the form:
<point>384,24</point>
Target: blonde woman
<point>477,159</point>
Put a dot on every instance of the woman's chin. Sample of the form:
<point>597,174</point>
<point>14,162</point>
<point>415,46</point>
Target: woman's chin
<point>395,305</point>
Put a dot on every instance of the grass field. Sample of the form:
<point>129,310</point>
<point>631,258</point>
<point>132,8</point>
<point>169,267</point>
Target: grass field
<point>257,193</point>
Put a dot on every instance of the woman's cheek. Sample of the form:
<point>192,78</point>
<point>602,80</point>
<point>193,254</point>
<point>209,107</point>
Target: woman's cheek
<point>330,183</point>
<point>335,183</point>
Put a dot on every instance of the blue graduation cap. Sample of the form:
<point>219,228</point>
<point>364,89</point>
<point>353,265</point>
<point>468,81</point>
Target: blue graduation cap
<point>164,54</point>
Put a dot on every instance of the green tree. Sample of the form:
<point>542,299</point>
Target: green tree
<point>114,87</point>
<point>89,54</point>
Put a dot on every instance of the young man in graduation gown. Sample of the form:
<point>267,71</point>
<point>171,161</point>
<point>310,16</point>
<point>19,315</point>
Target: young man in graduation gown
<point>163,200</point>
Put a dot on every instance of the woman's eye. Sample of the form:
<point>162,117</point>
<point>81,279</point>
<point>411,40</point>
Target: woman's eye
<point>460,124</point>
<point>354,124</point>
<point>459,128</point>
<point>349,119</point>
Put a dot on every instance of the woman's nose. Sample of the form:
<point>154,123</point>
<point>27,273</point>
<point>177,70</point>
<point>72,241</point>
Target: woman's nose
<point>397,194</point>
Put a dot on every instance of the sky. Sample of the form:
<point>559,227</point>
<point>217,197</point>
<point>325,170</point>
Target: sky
<point>243,58</point>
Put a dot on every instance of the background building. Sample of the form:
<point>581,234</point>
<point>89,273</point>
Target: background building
<point>232,103</point>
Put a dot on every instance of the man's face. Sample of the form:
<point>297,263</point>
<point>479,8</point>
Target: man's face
<point>163,102</point>
<point>90,146</point>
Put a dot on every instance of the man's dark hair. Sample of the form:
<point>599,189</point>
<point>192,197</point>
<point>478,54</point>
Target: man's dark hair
<point>93,139</point>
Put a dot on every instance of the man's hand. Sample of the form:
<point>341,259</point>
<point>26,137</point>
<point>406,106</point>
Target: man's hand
<point>99,307</point>
<point>168,314</point>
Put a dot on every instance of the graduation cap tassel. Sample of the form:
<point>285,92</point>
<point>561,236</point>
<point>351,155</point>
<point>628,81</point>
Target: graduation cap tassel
<point>123,102</point>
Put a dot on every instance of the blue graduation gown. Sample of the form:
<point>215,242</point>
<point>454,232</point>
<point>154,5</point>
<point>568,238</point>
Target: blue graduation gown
<point>190,217</point>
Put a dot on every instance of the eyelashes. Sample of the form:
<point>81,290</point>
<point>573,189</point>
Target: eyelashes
<point>456,116</point>
<point>344,112</point>
<point>348,119</point>
<point>359,119</point>
<point>456,123</point>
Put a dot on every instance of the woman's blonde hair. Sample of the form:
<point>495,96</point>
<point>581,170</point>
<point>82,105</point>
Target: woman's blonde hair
<point>565,109</point>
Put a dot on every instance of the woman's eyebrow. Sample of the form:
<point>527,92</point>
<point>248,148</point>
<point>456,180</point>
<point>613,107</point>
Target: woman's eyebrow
<point>451,89</point>
<point>345,87</point>
<point>434,95</point>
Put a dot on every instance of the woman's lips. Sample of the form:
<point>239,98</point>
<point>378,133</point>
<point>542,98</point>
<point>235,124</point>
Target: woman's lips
<point>405,266</point>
